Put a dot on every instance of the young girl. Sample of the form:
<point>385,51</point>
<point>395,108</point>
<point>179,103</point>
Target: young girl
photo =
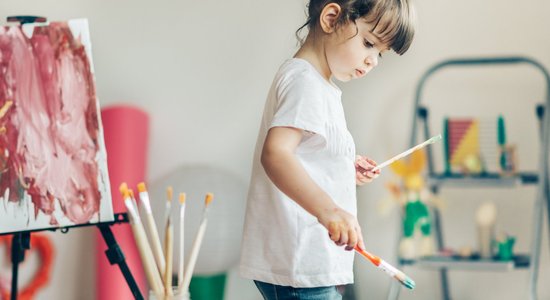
<point>302,197</point>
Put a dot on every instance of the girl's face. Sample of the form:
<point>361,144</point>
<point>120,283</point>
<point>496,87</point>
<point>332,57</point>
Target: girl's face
<point>353,50</point>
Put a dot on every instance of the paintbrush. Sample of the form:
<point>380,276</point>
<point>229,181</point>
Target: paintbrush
<point>196,246</point>
<point>181,238</point>
<point>386,267</point>
<point>168,207</point>
<point>168,252</point>
<point>131,193</point>
<point>405,153</point>
<point>147,260</point>
<point>152,228</point>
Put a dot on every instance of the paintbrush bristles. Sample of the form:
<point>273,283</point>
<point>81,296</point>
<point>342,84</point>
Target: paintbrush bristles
<point>386,267</point>
<point>141,187</point>
<point>208,199</point>
<point>144,197</point>
<point>436,138</point>
<point>169,193</point>
<point>123,188</point>
<point>400,276</point>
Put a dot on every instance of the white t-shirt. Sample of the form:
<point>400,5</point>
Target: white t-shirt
<point>282,243</point>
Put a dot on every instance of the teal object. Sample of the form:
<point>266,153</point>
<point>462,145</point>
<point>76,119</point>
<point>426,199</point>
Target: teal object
<point>416,212</point>
<point>208,287</point>
<point>446,146</point>
<point>501,136</point>
<point>501,130</point>
<point>505,248</point>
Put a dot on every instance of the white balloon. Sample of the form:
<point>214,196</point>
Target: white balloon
<point>220,248</point>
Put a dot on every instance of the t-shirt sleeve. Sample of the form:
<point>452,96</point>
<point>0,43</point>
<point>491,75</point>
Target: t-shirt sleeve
<point>300,104</point>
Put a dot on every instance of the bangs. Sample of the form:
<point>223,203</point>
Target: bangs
<point>394,23</point>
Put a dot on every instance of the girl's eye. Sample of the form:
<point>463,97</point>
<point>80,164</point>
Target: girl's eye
<point>371,45</point>
<point>368,44</point>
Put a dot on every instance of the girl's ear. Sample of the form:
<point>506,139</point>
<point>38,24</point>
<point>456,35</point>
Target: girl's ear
<point>329,16</point>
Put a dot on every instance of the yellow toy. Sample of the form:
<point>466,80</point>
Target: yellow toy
<point>414,198</point>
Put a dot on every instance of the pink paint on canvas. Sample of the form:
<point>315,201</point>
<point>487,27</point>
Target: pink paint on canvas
<point>51,144</point>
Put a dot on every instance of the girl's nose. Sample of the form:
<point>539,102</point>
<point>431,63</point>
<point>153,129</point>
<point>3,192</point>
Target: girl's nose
<point>372,60</point>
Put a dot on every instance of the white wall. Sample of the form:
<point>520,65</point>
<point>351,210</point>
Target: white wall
<point>202,70</point>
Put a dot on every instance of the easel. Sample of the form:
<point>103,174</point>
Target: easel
<point>22,240</point>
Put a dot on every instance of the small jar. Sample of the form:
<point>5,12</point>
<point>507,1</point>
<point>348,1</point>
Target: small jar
<point>175,292</point>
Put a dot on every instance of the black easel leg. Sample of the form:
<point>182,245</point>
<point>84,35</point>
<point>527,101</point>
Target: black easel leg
<point>15,246</point>
<point>21,242</point>
<point>116,256</point>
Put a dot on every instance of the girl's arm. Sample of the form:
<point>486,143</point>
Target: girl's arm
<point>287,173</point>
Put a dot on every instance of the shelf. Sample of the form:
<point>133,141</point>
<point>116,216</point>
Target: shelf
<point>475,264</point>
<point>483,180</point>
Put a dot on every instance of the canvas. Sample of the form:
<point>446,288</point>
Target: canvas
<point>53,169</point>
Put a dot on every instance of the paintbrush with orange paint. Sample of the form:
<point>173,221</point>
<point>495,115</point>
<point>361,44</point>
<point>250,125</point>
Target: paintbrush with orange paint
<point>147,260</point>
<point>184,287</point>
<point>386,267</point>
<point>152,228</point>
<point>181,238</point>
<point>168,254</point>
<point>169,197</point>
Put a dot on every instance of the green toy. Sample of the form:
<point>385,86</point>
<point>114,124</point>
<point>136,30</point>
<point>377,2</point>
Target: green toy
<point>505,248</point>
<point>414,198</point>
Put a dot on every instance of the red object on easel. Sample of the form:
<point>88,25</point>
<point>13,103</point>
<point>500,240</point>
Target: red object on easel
<point>45,249</point>
<point>126,130</point>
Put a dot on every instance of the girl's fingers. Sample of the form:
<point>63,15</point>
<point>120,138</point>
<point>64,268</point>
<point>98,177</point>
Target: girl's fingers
<point>334,232</point>
<point>352,239</point>
<point>345,232</point>
<point>368,174</point>
<point>343,238</point>
<point>364,179</point>
<point>371,164</point>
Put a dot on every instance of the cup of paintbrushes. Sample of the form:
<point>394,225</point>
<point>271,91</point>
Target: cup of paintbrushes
<point>176,295</point>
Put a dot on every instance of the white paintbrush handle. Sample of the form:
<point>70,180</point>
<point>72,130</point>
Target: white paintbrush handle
<point>407,152</point>
<point>147,259</point>
<point>168,246</point>
<point>155,243</point>
<point>144,197</point>
<point>193,257</point>
<point>391,270</point>
<point>153,277</point>
<point>182,244</point>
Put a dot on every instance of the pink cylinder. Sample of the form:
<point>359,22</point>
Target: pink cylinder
<point>126,131</point>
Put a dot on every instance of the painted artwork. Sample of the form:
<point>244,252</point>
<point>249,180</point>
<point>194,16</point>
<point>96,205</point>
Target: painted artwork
<point>53,168</point>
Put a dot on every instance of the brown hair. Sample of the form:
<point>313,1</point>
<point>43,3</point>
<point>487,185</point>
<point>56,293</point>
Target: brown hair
<point>394,20</point>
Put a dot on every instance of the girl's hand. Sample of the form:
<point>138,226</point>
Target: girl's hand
<point>343,228</point>
<point>363,170</point>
